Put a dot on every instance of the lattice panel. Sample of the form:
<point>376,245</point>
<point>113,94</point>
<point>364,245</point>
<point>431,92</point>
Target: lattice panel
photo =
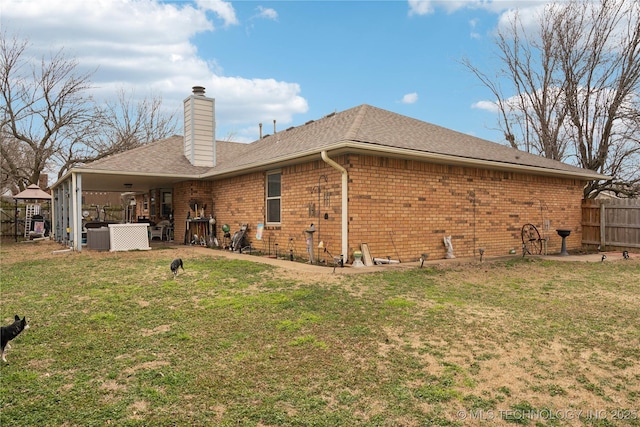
<point>128,237</point>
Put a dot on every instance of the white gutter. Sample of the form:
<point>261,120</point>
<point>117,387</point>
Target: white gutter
<point>110,172</point>
<point>345,202</point>
<point>365,148</point>
<point>375,149</point>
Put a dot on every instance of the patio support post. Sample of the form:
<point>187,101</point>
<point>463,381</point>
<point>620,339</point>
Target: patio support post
<point>62,200</point>
<point>76,227</point>
<point>15,220</point>
<point>53,233</point>
<point>66,207</point>
<point>56,214</point>
<point>345,202</point>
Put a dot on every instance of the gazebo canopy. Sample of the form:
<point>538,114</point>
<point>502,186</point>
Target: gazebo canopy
<point>32,192</point>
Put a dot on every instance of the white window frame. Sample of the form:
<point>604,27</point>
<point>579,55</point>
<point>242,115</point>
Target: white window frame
<point>269,198</point>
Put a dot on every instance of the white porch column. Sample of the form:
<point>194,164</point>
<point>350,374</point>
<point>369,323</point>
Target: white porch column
<point>66,209</point>
<point>76,210</point>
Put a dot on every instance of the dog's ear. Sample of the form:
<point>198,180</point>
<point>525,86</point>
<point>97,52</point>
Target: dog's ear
<point>16,317</point>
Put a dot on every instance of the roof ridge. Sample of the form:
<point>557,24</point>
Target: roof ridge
<point>353,130</point>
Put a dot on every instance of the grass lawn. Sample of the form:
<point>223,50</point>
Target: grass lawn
<point>116,340</point>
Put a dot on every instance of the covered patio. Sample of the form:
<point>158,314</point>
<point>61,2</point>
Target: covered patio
<point>69,219</point>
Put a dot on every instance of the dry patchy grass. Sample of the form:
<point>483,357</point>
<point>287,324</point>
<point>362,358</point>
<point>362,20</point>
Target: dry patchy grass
<point>115,339</point>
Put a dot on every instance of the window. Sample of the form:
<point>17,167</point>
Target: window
<point>273,197</point>
<point>167,204</point>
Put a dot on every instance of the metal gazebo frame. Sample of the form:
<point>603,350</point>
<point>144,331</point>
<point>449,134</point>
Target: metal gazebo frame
<point>32,192</point>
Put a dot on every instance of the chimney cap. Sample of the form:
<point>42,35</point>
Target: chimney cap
<point>198,90</point>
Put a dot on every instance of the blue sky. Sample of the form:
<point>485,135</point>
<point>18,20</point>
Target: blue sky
<point>291,61</point>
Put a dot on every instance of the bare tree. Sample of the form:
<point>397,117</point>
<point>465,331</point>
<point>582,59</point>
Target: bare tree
<point>49,121</point>
<point>121,124</point>
<point>42,105</point>
<point>14,168</point>
<point>574,87</point>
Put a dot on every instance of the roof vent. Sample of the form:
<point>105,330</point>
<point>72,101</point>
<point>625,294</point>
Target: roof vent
<point>198,90</point>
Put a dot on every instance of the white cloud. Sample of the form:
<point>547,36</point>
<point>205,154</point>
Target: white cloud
<point>267,13</point>
<point>528,17</point>
<point>146,45</point>
<point>528,11</point>
<point>243,99</point>
<point>223,9</point>
<point>420,7</point>
<point>473,23</point>
<point>410,98</point>
<point>426,7</point>
<point>490,106</point>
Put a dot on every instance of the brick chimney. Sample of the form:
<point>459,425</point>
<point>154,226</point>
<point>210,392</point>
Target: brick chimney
<point>200,128</point>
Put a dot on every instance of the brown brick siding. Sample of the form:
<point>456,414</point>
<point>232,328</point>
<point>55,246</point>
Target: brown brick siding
<point>303,206</point>
<point>183,192</point>
<point>237,201</point>
<point>415,204</point>
<point>401,208</point>
<point>241,200</point>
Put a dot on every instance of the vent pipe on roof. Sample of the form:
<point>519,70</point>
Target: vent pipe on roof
<point>198,90</point>
<point>274,126</point>
<point>260,126</point>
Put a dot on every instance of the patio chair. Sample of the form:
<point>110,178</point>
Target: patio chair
<point>156,231</point>
<point>168,232</point>
<point>160,230</point>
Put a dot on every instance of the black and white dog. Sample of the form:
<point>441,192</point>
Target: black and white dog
<point>175,265</point>
<point>9,332</point>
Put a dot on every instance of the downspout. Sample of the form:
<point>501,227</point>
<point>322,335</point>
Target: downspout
<point>345,202</point>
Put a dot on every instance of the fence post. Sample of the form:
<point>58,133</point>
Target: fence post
<point>603,224</point>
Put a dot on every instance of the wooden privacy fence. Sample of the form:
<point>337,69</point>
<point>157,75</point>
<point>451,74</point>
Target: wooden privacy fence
<point>611,224</point>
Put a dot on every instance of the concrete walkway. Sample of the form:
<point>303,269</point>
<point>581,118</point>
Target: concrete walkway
<point>348,269</point>
<point>594,257</point>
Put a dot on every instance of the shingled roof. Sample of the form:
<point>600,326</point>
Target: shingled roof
<point>367,128</point>
<point>165,157</point>
<point>359,129</point>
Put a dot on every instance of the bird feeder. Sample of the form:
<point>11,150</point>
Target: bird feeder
<point>357,259</point>
<point>309,236</point>
<point>564,234</point>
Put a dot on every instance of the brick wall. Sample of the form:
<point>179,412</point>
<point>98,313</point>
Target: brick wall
<point>183,192</point>
<point>401,208</point>
<point>239,200</point>
<point>308,198</point>
<point>413,205</point>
